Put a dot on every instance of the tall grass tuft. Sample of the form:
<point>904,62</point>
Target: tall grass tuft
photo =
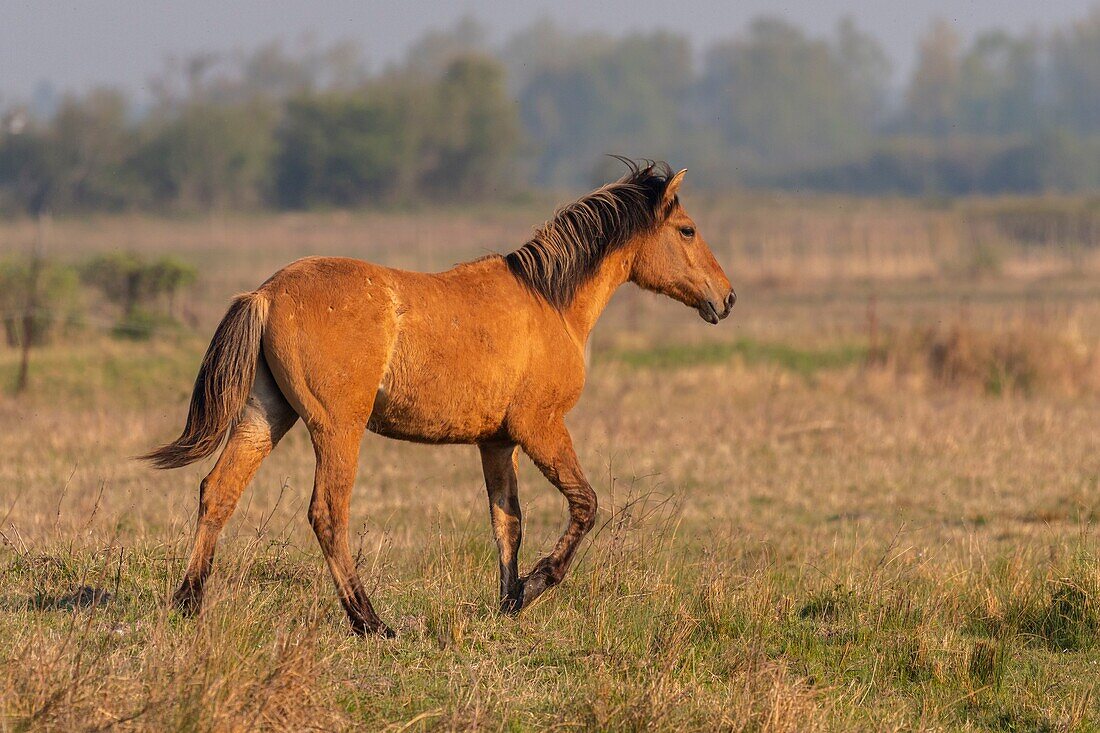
<point>1023,360</point>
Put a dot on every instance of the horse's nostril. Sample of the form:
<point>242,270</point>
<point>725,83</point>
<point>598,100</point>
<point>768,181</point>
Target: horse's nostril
<point>731,299</point>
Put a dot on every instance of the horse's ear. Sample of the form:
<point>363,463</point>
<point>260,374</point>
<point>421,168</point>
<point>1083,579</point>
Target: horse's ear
<point>673,186</point>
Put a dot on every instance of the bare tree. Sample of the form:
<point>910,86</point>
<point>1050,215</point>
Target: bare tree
<point>30,310</point>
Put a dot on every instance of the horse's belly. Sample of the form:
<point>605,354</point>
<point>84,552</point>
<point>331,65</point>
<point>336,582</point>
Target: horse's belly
<point>456,417</point>
<point>452,374</point>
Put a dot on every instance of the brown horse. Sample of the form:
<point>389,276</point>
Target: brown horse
<point>490,353</point>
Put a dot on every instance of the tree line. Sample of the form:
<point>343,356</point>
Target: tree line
<point>463,119</point>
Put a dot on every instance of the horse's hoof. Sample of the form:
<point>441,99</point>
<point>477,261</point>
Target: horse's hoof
<point>379,629</point>
<point>187,602</point>
<point>533,590</point>
<point>511,605</point>
<point>535,584</point>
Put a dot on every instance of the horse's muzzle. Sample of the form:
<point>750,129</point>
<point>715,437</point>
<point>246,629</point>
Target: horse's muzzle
<point>709,310</point>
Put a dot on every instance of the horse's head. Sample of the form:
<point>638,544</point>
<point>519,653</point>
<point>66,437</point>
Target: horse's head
<point>673,259</point>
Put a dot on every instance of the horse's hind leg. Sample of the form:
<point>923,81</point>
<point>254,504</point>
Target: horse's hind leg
<point>337,460</point>
<point>265,420</point>
<point>502,483</point>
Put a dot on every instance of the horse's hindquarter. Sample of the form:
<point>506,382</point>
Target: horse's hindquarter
<point>331,326</point>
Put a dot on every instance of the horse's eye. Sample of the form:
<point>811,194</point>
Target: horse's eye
<point>687,232</point>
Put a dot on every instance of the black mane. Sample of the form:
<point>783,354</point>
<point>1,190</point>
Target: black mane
<point>567,250</point>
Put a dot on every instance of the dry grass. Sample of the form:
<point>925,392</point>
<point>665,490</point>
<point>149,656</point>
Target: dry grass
<point>788,540</point>
<point>1022,360</point>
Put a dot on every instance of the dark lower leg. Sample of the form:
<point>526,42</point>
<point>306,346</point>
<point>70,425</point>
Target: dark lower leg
<point>353,596</point>
<point>355,601</point>
<point>511,588</point>
<point>502,485</point>
<point>550,570</point>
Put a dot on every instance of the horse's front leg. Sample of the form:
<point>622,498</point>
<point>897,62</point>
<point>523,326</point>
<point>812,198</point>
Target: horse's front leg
<point>551,449</point>
<point>502,484</point>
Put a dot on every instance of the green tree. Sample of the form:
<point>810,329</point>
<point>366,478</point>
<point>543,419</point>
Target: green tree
<point>31,171</point>
<point>787,99</point>
<point>865,72</point>
<point>543,46</point>
<point>1075,67</point>
<point>477,131</point>
<point>398,138</point>
<point>80,160</point>
<point>627,96</point>
<point>95,142</point>
<point>344,149</point>
<point>933,96</point>
<point>998,85</point>
<point>432,54</point>
<point>210,156</point>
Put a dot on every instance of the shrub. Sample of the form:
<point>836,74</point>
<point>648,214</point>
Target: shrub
<point>1020,360</point>
<point>140,325</point>
<point>1059,612</point>
<point>134,285</point>
<point>58,300</point>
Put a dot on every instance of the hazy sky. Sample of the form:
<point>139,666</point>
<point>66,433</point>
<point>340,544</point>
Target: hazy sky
<point>124,42</point>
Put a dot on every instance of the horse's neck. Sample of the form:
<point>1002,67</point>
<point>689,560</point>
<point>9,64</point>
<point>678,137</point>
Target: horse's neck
<point>593,296</point>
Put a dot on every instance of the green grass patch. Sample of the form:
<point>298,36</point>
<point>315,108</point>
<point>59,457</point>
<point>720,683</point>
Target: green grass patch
<point>803,361</point>
<point>107,371</point>
<point>633,641</point>
<point>1061,614</point>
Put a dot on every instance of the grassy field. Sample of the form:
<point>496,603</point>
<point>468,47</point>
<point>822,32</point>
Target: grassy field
<point>867,501</point>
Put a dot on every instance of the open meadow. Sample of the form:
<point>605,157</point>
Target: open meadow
<point>868,500</point>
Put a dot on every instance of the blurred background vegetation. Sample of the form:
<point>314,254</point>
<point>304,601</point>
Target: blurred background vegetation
<point>463,119</point>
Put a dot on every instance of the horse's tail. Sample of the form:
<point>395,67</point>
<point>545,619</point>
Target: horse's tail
<point>222,385</point>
